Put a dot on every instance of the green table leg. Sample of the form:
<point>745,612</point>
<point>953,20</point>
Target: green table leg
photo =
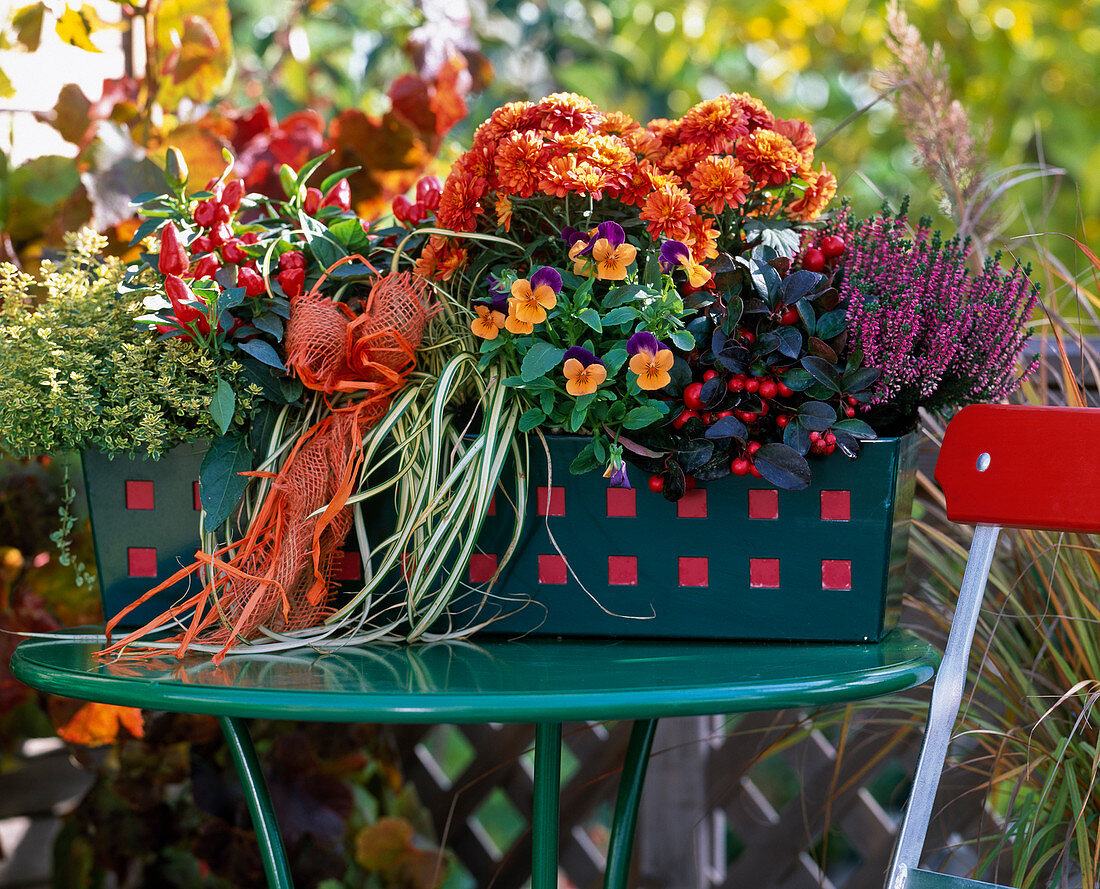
<point>544,828</point>
<point>621,847</point>
<point>259,802</point>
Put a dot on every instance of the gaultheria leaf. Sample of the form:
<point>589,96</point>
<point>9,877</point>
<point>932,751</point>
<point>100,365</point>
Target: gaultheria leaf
<point>822,371</point>
<point>783,466</point>
<point>220,485</point>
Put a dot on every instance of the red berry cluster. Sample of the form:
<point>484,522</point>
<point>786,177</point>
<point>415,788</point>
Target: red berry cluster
<point>428,191</point>
<point>831,248</point>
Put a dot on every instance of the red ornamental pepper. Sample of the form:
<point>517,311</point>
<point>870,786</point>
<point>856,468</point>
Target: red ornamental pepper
<point>220,233</point>
<point>312,202</point>
<point>338,196</point>
<point>250,238</point>
<point>178,291</point>
<point>231,196</point>
<point>428,191</point>
<point>292,280</point>
<point>206,213</point>
<point>206,267</point>
<point>173,258</point>
<point>292,259</point>
<point>417,213</point>
<point>401,208</point>
<point>215,187</point>
<point>201,245</point>
<point>251,281</point>
<point>232,252</point>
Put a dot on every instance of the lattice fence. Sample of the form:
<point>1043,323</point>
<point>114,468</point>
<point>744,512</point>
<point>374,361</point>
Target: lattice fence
<point>717,812</point>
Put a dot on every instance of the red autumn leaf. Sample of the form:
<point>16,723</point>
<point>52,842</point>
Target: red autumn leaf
<point>97,724</point>
<point>392,154</point>
<point>260,153</point>
<point>410,98</point>
<point>447,102</point>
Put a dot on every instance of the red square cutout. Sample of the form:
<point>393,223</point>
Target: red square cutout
<point>141,561</point>
<point>694,571</point>
<point>622,570</point>
<point>693,505</point>
<point>551,501</point>
<point>764,573</point>
<point>482,567</point>
<point>552,569</point>
<point>764,504</point>
<point>836,574</point>
<point>492,510</point>
<point>196,496</point>
<point>347,566</point>
<point>836,506</point>
<point>139,495</point>
<point>621,503</point>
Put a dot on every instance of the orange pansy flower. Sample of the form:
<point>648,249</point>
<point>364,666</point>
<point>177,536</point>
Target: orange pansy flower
<point>488,322</point>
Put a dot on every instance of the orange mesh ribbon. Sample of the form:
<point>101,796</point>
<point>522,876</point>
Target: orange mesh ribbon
<point>277,576</point>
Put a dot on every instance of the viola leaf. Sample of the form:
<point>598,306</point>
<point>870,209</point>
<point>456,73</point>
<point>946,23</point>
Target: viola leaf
<point>592,318</point>
<point>539,360</point>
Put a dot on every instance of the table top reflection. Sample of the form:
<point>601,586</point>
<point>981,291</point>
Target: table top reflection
<point>488,679</point>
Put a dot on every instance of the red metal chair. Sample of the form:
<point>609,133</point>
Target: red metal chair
<point>991,480</point>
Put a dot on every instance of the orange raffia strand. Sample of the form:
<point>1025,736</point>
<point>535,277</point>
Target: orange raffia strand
<point>278,573</point>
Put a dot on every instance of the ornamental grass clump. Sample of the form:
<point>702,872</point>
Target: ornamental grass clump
<point>941,335</point>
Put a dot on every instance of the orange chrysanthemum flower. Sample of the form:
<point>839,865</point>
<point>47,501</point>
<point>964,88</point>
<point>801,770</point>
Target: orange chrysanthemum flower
<point>666,131</point>
<point>801,135</point>
<point>568,113</point>
<point>488,323</point>
<point>719,182</point>
<point>715,123</point>
<point>458,204</point>
<point>586,178</point>
<point>509,118</point>
<point>684,158</point>
<point>556,177</point>
<point>703,239</point>
<point>619,123</point>
<point>754,112</point>
<point>531,304</point>
<point>820,189</point>
<point>519,159</point>
<point>503,207</point>
<point>440,259</point>
<point>768,157</point>
<point>668,211</point>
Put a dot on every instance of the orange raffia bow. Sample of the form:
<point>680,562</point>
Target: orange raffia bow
<point>277,575</point>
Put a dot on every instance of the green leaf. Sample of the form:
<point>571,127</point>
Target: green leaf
<point>683,340</point>
<point>350,233</point>
<point>144,230</point>
<point>857,428</point>
<point>832,324</point>
<point>331,179</point>
<point>309,167</point>
<point>796,378</point>
<point>223,404</point>
<point>540,359</point>
<point>614,359</point>
<point>325,248</point>
<point>640,417</point>
<point>861,378</point>
<point>620,296</point>
<point>592,318</point>
<point>231,298</point>
<point>220,485</point>
<point>585,461</point>
<point>264,352</point>
<point>620,316</point>
<point>652,276</point>
<point>816,416</point>
<point>822,371</point>
<point>531,419</point>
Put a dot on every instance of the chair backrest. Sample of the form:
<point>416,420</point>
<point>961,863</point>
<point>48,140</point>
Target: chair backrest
<point>1023,467</point>
<point>1000,465</point>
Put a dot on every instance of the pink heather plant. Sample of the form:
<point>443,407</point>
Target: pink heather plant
<point>943,336</point>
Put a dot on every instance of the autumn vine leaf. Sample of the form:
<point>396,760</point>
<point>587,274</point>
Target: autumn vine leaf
<point>95,725</point>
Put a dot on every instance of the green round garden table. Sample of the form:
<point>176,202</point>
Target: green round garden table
<point>546,681</point>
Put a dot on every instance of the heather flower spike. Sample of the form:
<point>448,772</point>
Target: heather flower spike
<point>583,372</point>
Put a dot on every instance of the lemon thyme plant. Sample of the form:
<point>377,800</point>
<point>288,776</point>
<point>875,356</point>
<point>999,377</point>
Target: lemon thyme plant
<point>78,371</point>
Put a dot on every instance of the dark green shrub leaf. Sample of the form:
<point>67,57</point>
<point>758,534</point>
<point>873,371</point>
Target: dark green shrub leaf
<point>783,466</point>
<point>822,371</point>
<point>220,485</point>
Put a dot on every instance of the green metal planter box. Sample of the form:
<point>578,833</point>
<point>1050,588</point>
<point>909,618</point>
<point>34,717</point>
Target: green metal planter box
<point>735,559</point>
<point>145,523</point>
